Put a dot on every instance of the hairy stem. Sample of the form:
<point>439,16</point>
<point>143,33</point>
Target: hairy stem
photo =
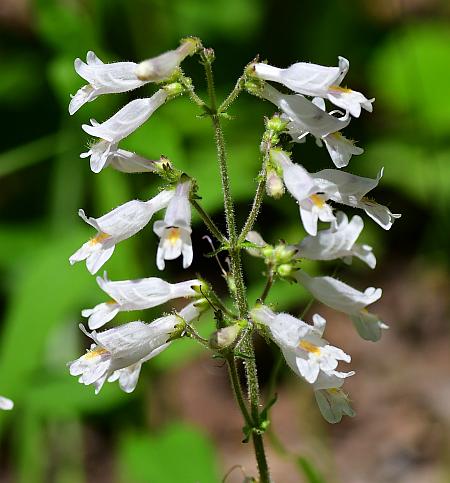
<point>259,196</point>
<point>240,292</point>
<point>233,95</point>
<point>187,84</point>
<point>236,384</point>
<point>267,286</point>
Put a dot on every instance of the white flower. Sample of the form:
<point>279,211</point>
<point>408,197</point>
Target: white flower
<point>338,241</point>
<point>118,353</point>
<point>117,225</point>
<point>127,119</point>
<point>119,126</point>
<point>103,154</point>
<point>6,404</point>
<point>160,68</point>
<point>125,76</point>
<point>175,230</point>
<point>338,146</point>
<point>331,399</point>
<point>313,190</point>
<point>343,298</point>
<point>137,294</point>
<point>103,79</point>
<point>303,188</point>
<point>351,190</point>
<point>304,115</point>
<point>303,347</point>
<point>317,80</point>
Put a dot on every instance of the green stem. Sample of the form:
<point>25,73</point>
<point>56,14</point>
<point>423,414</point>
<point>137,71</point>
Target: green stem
<point>239,292</point>
<point>268,286</point>
<point>253,395</point>
<point>187,84</point>
<point>210,82</point>
<point>236,384</point>
<point>233,95</point>
<point>209,222</point>
<point>259,196</point>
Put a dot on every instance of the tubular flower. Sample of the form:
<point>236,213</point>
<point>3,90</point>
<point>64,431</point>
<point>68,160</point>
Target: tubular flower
<point>313,190</point>
<point>125,76</point>
<point>304,116</point>
<point>338,146</point>
<point>103,154</point>
<point>103,79</point>
<point>338,241</point>
<point>6,404</point>
<point>118,353</point>
<point>343,298</point>
<point>162,67</point>
<point>138,294</point>
<point>303,347</point>
<point>311,198</point>
<point>318,81</point>
<point>119,126</point>
<point>331,399</point>
<point>175,230</point>
<point>119,224</point>
<point>351,190</point>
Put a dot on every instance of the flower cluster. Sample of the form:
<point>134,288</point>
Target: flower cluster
<point>117,354</point>
<point>301,113</point>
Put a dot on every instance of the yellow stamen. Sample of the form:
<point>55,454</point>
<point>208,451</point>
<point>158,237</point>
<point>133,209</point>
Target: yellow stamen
<point>308,347</point>
<point>333,390</point>
<point>99,238</point>
<point>317,200</point>
<point>173,235</point>
<point>340,89</point>
<point>111,302</point>
<point>95,353</point>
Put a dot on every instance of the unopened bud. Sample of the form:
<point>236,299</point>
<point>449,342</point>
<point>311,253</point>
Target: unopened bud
<point>276,124</point>
<point>173,89</point>
<point>223,338</point>
<point>285,270</point>
<point>283,253</point>
<point>209,55</point>
<point>274,185</point>
<point>267,251</point>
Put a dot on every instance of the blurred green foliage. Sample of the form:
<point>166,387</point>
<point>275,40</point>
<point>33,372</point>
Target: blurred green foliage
<point>403,63</point>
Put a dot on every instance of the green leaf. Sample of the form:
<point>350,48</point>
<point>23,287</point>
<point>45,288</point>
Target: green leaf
<point>179,454</point>
<point>309,471</point>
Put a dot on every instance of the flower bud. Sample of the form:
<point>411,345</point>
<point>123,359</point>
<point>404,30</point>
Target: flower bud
<point>173,89</point>
<point>283,253</point>
<point>276,124</point>
<point>274,185</point>
<point>285,270</point>
<point>223,338</point>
